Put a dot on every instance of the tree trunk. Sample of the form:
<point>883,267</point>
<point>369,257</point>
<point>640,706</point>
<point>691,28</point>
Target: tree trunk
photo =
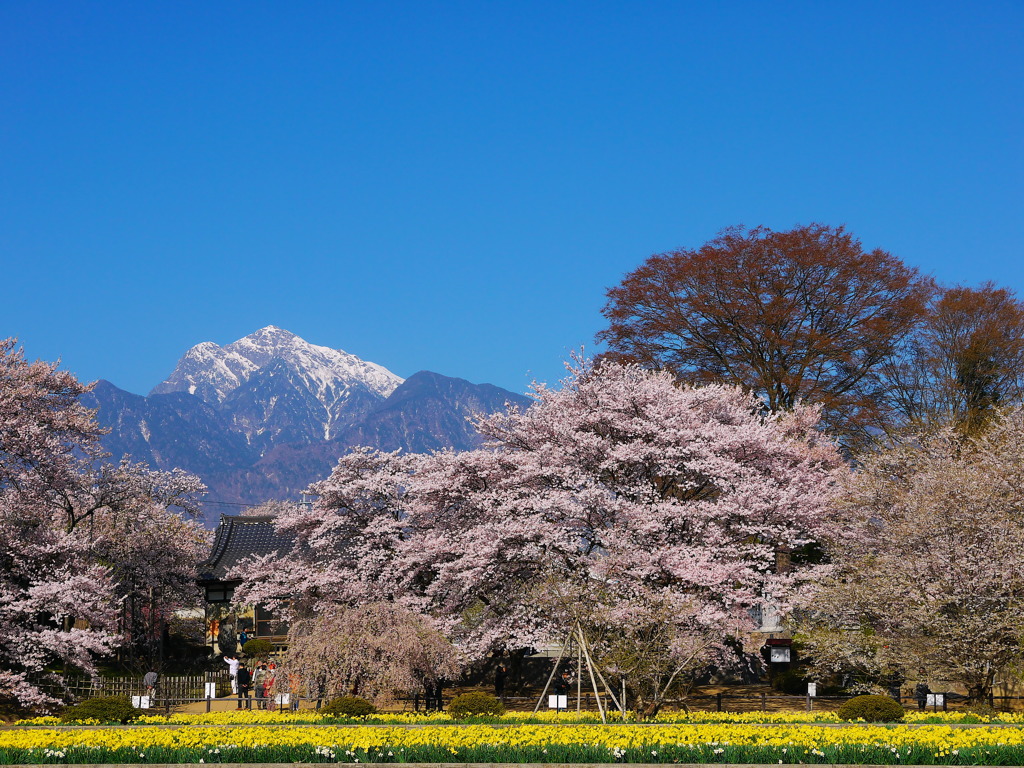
<point>980,690</point>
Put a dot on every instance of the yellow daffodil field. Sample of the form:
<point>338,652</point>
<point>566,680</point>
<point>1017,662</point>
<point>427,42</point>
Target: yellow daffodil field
<point>555,743</point>
<point>312,717</point>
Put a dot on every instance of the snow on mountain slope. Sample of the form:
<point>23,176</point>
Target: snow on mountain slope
<point>212,372</point>
<point>273,365</point>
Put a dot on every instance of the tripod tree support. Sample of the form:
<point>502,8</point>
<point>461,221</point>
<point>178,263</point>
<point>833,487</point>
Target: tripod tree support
<point>554,669</point>
<point>577,636</point>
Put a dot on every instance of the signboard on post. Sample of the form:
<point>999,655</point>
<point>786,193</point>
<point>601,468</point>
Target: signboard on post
<point>556,701</point>
<point>936,699</point>
<point>812,689</point>
<point>779,654</point>
<point>283,699</point>
<point>140,702</point>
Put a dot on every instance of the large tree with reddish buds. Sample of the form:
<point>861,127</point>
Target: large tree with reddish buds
<point>927,578</point>
<point>962,364</point>
<point>802,315</point>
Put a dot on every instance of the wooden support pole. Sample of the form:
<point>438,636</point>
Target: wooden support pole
<point>554,669</point>
<point>579,675</point>
<point>611,693</point>
<point>590,668</point>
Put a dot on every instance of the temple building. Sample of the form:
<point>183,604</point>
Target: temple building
<point>238,537</point>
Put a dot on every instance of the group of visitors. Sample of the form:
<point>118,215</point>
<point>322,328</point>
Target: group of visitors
<point>259,681</point>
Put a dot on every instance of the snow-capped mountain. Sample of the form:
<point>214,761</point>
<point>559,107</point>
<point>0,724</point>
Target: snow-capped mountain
<point>263,417</point>
<point>280,383</point>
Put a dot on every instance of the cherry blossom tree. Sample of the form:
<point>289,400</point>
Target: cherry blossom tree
<point>153,554</point>
<point>616,501</point>
<point>139,524</point>
<point>927,570</point>
<point>372,650</point>
<point>47,573</point>
<point>76,533</point>
<point>342,547</point>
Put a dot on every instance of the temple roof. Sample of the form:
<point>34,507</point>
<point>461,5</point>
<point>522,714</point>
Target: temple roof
<point>239,537</point>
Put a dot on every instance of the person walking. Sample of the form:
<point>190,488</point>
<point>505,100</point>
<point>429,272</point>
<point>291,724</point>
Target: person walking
<point>259,677</point>
<point>244,680</point>
<point>232,663</point>
<point>268,686</point>
<point>921,691</point>
<point>561,689</point>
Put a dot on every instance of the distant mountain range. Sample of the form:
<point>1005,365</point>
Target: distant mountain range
<point>265,416</point>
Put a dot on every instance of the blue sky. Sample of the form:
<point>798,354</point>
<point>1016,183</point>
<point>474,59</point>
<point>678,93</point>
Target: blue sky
<point>452,186</point>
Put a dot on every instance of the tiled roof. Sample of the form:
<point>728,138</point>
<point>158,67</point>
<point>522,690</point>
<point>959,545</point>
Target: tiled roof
<point>239,537</point>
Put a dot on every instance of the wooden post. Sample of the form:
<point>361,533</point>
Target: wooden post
<point>611,693</point>
<point>590,668</point>
<point>764,702</point>
<point>579,675</point>
<point>561,652</point>
<point>718,701</point>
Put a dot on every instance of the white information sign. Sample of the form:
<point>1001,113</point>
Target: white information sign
<point>936,699</point>
<point>558,702</point>
<point>779,654</point>
<point>211,690</point>
<point>283,699</point>
<point>140,702</point>
<point>812,689</point>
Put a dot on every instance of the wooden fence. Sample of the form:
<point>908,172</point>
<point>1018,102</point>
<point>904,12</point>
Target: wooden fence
<point>175,687</point>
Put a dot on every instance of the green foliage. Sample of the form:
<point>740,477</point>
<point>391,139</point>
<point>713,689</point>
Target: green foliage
<point>258,647</point>
<point>475,704</point>
<point>106,709</point>
<point>872,709</point>
<point>981,713</point>
<point>668,754</point>
<point>348,706</point>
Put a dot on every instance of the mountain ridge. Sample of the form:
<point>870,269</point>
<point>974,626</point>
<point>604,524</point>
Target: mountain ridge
<point>263,417</point>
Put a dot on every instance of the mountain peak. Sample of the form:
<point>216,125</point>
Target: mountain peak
<point>272,333</point>
<point>212,372</point>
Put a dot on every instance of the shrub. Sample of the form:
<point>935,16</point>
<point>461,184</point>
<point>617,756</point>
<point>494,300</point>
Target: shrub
<point>258,647</point>
<point>106,709</point>
<point>348,706</point>
<point>873,709</point>
<point>474,704</point>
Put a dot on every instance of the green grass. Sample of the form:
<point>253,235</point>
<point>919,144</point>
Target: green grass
<point>710,754</point>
